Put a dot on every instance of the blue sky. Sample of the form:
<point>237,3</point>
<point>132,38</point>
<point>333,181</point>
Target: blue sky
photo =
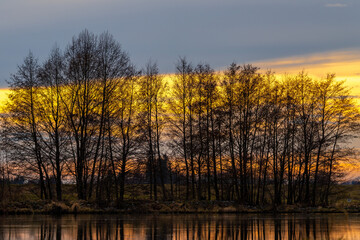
<point>216,32</point>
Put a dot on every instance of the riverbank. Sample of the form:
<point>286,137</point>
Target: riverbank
<point>166,207</point>
<point>25,199</point>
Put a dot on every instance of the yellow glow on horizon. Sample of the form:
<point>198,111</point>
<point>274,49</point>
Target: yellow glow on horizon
<point>4,92</point>
<point>345,64</point>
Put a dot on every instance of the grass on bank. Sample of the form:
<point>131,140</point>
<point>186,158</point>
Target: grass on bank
<point>19,199</point>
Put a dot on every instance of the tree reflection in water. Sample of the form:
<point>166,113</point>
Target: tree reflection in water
<point>179,227</point>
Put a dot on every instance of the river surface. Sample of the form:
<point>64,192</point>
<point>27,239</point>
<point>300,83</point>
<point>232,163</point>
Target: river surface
<point>190,226</point>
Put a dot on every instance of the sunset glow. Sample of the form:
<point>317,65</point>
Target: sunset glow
<point>4,92</point>
<point>345,64</point>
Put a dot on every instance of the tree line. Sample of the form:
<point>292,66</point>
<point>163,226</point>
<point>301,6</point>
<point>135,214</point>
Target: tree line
<point>87,116</point>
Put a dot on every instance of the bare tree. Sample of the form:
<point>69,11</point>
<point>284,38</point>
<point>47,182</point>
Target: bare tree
<point>152,114</point>
<point>52,117</point>
<point>81,103</point>
<point>20,124</point>
<point>182,111</point>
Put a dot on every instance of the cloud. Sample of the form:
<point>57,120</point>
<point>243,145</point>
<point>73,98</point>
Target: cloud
<point>342,62</point>
<point>332,5</point>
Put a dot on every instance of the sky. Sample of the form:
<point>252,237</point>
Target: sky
<point>287,36</point>
<point>212,31</point>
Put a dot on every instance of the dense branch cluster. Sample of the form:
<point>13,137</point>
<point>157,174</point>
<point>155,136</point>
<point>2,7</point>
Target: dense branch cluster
<point>88,117</point>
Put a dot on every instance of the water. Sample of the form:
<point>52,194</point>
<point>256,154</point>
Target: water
<point>226,226</point>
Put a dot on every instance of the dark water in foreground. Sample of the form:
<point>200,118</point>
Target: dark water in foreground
<point>262,226</point>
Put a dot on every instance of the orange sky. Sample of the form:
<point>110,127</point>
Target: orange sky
<point>345,64</point>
